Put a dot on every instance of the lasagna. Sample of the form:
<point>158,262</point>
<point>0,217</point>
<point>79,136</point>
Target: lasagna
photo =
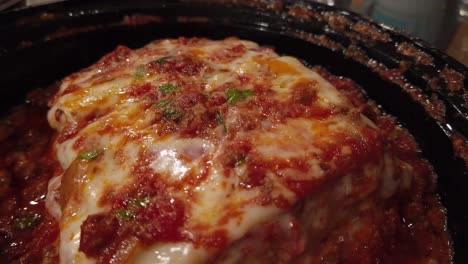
<point>196,151</point>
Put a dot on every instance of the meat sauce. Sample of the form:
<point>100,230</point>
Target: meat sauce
<point>409,228</point>
<point>27,231</point>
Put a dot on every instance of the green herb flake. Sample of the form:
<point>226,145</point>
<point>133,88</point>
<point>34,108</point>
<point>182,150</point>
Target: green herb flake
<point>233,96</point>
<point>163,103</point>
<point>26,222</point>
<point>220,120</point>
<point>168,88</point>
<point>236,159</point>
<point>140,72</point>
<point>173,114</point>
<point>138,203</point>
<point>125,215</point>
<point>90,155</point>
<point>163,60</point>
<point>241,160</point>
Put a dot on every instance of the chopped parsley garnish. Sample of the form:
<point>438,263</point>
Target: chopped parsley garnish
<point>140,72</point>
<point>168,88</point>
<point>220,120</point>
<point>90,155</point>
<point>26,222</point>
<point>133,205</point>
<point>233,96</point>
<point>125,215</point>
<point>236,159</point>
<point>162,60</point>
<point>173,114</point>
<point>163,103</point>
<point>138,203</point>
<point>240,160</point>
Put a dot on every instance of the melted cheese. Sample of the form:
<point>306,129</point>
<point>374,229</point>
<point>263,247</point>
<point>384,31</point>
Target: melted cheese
<point>104,113</point>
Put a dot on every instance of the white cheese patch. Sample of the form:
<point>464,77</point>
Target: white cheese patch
<point>130,133</point>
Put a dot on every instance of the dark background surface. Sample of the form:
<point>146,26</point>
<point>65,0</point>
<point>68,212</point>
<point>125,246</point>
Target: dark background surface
<point>33,55</point>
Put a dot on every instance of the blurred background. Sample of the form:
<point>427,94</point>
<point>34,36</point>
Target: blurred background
<point>442,23</point>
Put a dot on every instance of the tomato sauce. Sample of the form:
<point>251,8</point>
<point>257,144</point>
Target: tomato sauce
<point>27,232</point>
<point>409,228</point>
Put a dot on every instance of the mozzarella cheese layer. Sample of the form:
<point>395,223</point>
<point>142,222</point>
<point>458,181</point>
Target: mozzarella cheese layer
<point>183,150</point>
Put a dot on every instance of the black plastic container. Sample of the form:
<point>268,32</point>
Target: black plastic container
<point>41,45</point>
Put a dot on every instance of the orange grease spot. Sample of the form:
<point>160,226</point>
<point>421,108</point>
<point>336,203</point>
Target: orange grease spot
<point>197,52</point>
<point>277,67</point>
